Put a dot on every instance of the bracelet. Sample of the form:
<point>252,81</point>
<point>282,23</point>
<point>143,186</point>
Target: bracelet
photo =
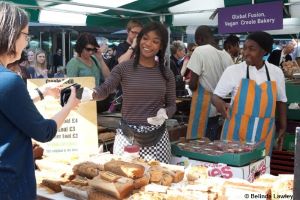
<point>131,48</point>
<point>40,93</point>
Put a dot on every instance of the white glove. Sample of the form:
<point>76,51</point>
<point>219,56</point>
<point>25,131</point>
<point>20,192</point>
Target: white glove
<point>87,94</point>
<point>159,119</point>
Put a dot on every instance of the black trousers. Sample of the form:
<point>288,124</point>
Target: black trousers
<point>213,130</point>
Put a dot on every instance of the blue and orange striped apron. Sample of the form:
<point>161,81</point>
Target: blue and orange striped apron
<point>252,114</point>
<point>199,113</point>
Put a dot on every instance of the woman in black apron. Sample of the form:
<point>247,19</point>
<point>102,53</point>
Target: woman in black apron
<point>148,89</point>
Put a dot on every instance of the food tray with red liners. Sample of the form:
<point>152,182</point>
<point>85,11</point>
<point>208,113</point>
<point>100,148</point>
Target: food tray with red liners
<point>227,152</point>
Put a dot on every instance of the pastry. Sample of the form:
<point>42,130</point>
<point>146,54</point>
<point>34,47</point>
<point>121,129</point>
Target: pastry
<point>126,169</point>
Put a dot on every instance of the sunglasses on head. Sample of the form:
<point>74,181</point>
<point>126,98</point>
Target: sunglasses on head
<point>90,49</point>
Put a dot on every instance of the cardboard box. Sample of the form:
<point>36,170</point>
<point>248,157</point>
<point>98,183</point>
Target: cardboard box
<point>248,172</point>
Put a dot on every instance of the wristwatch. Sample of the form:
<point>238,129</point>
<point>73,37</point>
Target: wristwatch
<point>131,48</point>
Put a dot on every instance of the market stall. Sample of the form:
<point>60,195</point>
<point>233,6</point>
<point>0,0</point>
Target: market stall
<point>107,176</point>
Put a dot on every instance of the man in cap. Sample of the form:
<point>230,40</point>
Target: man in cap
<point>257,88</point>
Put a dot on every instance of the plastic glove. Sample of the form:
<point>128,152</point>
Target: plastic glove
<point>159,119</point>
<point>87,94</point>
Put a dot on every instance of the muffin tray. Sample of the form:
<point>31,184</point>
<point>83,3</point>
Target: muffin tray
<point>229,152</point>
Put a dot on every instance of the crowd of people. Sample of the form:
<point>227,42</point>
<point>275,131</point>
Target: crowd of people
<point>137,70</point>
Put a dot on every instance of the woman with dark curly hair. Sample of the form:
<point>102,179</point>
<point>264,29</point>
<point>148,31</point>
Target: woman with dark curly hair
<point>148,95</point>
<point>89,61</point>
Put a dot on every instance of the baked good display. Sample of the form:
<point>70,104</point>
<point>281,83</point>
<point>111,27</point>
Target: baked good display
<point>116,179</point>
<point>126,169</point>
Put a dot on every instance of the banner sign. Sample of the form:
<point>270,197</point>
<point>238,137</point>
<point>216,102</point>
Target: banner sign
<point>78,136</point>
<point>249,18</point>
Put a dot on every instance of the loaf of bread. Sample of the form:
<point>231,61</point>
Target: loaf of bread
<point>94,194</point>
<point>283,186</point>
<point>154,163</point>
<point>163,175</point>
<point>177,175</point>
<point>155,175</point>
<point>126,169</point>
<point>119,188</point>
<point>87,169</point>
<point>79,180</point>
<point>166,179</point>
<point>109,176</point>
<point>74,191</point>
<point>53,185</point>
<point>38,151</point>
<point>140,182</point>
<point>157,196</point>
<point>239,190</point>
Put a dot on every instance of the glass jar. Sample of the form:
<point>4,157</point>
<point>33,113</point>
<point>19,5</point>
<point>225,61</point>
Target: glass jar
<point>131,152</point>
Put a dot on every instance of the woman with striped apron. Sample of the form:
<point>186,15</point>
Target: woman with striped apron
<point>251,117</point>
<point>252,114</point>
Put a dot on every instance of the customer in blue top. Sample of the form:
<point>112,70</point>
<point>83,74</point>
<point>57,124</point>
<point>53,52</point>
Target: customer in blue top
<point>20,120</point>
